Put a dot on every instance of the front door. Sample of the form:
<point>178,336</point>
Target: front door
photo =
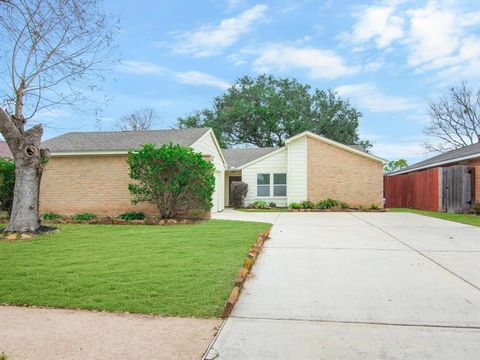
<point>230,179</point>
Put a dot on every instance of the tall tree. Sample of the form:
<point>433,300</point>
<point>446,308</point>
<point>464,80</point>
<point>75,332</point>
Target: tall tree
<point>395,165</point>
<point>265,111</point>
<point>138,120</point>
<point>455,118</point>
<point>52,50</point>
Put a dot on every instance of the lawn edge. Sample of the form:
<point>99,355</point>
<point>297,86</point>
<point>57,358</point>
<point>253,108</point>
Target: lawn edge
<point>244,271</point>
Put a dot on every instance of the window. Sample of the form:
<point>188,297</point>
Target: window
<point>263,184</point>
<point>279,184</point>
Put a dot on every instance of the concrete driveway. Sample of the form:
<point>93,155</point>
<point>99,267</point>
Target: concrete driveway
<point>358,286</point>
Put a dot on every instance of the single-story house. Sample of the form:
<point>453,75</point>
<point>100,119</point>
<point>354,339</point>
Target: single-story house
<point>88,171</point>
<point>467,155</point>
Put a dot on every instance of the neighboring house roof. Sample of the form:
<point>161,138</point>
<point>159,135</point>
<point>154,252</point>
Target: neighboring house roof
<point>465,153</point>
<point>5,150</point>
<point>238,157</point>
<point>121,141</point>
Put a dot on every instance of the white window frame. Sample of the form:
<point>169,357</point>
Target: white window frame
<point>271,185</point>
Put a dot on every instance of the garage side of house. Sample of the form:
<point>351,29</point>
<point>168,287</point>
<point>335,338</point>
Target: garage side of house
<point>88,172</point>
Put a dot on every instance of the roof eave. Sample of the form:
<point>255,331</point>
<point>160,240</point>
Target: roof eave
<point>435,164</point>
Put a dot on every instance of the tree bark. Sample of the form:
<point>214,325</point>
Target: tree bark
<point>29,163</point>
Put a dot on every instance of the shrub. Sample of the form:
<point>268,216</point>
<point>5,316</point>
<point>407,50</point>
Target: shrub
<point>295,205</point>
<point>344,205</point>
<point>3,356</point>
<point>84,217</point>
<point>132,215</point>
<point>477,209</point>
<point>7,183</point>
<point>272,204</point>
<point>327,204</point>
<point>306,204</point>
<point>174,178</point>
<point>239,191</point>
<point>374,207</point>
<point>258,204</point>
<point>51,216</point>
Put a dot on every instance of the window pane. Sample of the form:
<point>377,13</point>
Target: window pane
<point>263,190</point>
<point>279,179</point>
<point>263,179</point>
<point>280,190</point>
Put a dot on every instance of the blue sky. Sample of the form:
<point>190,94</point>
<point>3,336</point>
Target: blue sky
<point>388,57</point>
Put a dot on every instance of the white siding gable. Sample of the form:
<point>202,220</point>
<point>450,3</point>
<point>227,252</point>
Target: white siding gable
<point>274,164</point>
<point>207,146</point>
<point>297,170</point>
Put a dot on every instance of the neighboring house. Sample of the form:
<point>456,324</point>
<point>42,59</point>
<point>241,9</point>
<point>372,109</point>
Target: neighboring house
<point>308,167</point>
<point>468,155</point>
<point>5,150</point>
<point>88,171</point>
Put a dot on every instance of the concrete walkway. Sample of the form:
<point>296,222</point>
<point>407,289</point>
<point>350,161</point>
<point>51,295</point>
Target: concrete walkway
<point>56,334</point>
<point>358,286</point>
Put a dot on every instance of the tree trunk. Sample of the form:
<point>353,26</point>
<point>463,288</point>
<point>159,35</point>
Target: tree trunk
<point>25,217</point>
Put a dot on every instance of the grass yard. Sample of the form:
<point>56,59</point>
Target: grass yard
<point>184,270</point>
<point>469,219</point>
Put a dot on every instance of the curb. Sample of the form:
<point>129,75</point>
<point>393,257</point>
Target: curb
<point>244,271</point>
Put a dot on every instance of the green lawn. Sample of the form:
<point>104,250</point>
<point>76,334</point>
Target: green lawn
<point>469,219</point>
<point>184,270</point>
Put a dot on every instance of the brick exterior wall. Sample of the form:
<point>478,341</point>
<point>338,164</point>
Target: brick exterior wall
<point>475,163</point>
<point>98,184</point>
<point>342,175</point>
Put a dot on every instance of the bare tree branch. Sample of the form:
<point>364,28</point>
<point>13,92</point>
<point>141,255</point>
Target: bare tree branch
<point>139,120</point>
<point>455,119</point>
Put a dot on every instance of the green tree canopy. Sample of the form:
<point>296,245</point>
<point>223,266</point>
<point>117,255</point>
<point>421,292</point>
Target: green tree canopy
<point>395,165</point>
<point>174,178</point>
<point>265,111</point>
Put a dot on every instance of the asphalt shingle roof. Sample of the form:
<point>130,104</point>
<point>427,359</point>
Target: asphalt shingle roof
<point>239,157</point>
<point>448,157</point>
<point>121,140</point>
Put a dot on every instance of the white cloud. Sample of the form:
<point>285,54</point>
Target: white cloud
<point>185,77</point>
<point>140,68</point>
<point>439,36</point>
<point>200,78</point>
<point>369,97</point>
<point>412,151</point>
<point>52,114</point>
<point>212,40</point>
<point>379,24</point>
<point>318,63</point>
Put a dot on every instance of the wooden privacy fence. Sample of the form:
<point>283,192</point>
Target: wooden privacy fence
<point>438,189</point>
<point>418,190</point>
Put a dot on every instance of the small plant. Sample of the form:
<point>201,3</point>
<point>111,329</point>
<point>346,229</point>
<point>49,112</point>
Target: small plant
<point>49,216</point>
<point>344,205</point>
<point>84,217</point>
<point>132,215</point>
<point>295,205</point>
<point>272,204</point>
<point>258,204</point>
<point>306,204</point>
<point>374,207</point>
<point>3,356</point>
<point>327,204</point>
<point>477,209</point>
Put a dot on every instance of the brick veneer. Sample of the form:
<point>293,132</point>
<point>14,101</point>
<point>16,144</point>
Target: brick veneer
<point>98,184</point>
<point>342,175</point>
